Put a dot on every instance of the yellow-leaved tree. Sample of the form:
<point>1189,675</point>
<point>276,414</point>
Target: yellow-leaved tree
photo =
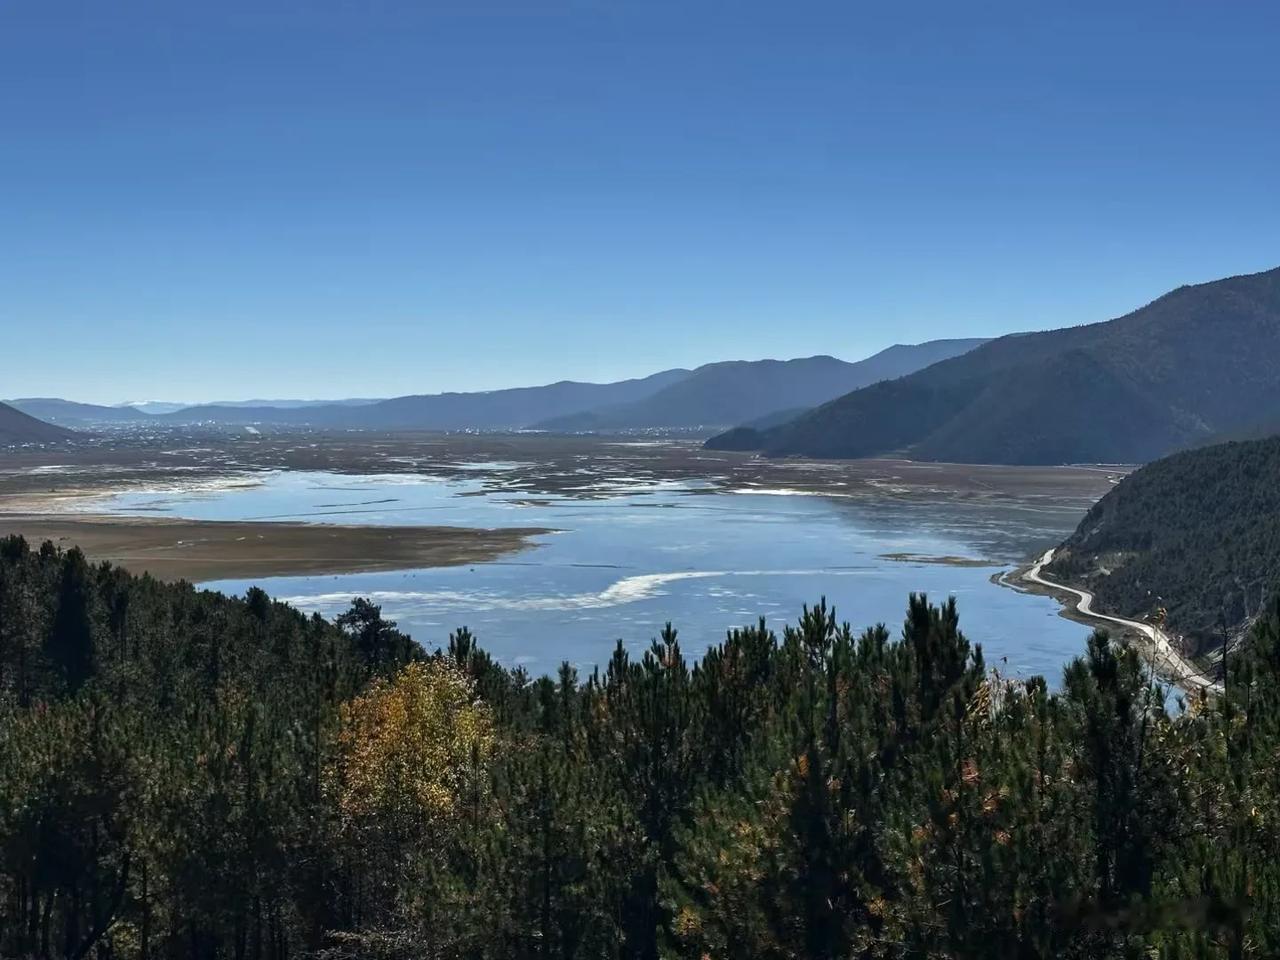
<point>409,785</point>
<point>413,750</point>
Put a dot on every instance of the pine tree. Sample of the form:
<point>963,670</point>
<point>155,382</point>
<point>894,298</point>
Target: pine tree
<point>69,645</point>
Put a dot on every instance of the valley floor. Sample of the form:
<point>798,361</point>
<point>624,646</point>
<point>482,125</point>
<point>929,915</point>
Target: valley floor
<point>51,494</point>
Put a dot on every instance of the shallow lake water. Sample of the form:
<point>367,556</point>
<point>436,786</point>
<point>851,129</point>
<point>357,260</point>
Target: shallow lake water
<point>628,558</point>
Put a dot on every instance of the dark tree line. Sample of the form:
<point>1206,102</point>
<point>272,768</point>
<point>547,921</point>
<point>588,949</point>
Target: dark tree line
<point>184,774</point>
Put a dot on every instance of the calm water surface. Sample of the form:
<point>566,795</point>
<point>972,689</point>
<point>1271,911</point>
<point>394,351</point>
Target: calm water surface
<point>634,556</point>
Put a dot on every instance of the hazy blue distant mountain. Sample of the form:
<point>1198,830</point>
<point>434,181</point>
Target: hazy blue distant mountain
<point>151,406</point>
<point>712,396</point>
<point>513,408</point>
<point>286,404</point>
<point>738,391</point>
<point>168,406</point>
<point>1200,361</point>
<point>19,427</point>
<point>56,410</point>
<point>1254,430</point>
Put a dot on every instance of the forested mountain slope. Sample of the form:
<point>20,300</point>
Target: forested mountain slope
<point>1198,361</point>
<point>1197,533</point>
<point>18,427</point>
<point>184,774</point>
<point>735,392</point>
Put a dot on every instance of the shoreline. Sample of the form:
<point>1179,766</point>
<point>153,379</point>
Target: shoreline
<point>203,550</point>
<point>1159,652</point>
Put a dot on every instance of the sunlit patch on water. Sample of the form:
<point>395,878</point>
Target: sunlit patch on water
<point>626,590</point>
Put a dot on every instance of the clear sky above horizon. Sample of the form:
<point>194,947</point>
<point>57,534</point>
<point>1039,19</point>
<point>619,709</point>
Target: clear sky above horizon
<point>324,199</point>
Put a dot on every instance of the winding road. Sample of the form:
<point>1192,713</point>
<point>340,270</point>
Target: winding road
<point>1169,662</point>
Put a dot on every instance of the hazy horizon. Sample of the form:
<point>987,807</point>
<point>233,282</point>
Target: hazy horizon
<point>339,398</point>
<point>345,200</point>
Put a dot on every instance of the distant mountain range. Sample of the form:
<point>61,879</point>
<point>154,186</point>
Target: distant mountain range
<point>490,410</point>
<point>281,404</point>
<point>151,406</point>
<point>1200,361</point>
<point>168,406</point>
<point>18,427</point>
<point>57,410</point>
<point>1196,533</point>
<point>711,397</point>
<point>736,391</point>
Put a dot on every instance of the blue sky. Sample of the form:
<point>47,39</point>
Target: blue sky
<point>327,199</point>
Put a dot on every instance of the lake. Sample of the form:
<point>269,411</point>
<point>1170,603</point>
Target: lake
<point>631,555</point>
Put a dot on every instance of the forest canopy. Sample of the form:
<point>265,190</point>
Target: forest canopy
<point>185,774</point>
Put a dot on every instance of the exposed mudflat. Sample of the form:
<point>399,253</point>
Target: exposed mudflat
<point>946,561</point>
<point>196,550</point>
<point>531,464</point>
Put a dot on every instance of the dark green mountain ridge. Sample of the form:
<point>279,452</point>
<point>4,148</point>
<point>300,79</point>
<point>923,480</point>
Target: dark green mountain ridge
<point>1198,361</point>
<point>739,391</point>
<point>1197,533</point>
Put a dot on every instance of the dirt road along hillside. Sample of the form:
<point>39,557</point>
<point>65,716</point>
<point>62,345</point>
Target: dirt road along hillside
<point>1160,650</point>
